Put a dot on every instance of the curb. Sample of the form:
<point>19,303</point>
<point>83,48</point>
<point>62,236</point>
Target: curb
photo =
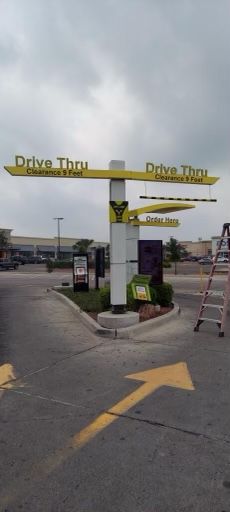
<point>148,325</point>
<point>89,322</point>
<point>123,333</point>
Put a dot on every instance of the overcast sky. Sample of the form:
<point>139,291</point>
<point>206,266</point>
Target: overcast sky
<point>95,80</point>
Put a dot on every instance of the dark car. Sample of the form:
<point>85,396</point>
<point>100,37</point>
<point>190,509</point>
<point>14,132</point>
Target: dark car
<point>35,259</point>
<point>21,260</point>
<point>189,258</point>
<point>6,264</point>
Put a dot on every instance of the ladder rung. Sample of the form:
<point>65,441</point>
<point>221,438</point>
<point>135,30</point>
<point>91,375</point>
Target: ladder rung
<point>223,250</point>
<point>219,271</point>
<point>210,320</point>
<point>215,293</point>
<point>219,264</point>
<point>218,306</point>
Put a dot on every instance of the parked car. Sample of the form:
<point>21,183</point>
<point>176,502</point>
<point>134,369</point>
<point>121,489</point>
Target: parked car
<point>7,264</point>
<point>44,259</point>
<point>19,259</point>
<point>205,261</point>
<point>222,259</point>
<point>190,258</point>
<point>35,259</point>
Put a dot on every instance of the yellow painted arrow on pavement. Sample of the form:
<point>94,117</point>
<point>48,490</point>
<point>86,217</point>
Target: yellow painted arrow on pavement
<point>6,375</point>
<point>176,375</point>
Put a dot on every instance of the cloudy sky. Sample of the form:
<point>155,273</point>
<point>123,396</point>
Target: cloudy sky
<point>95,80</point>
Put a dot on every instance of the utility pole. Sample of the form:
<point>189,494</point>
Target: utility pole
<point>59,238</point>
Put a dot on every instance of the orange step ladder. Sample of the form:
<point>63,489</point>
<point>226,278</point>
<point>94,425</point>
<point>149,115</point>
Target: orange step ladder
<point>223,294</point>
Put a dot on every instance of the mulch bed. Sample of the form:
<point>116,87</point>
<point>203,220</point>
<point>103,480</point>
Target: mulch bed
<point>146,312</point>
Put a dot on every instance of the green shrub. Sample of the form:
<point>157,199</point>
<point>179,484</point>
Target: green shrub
<point>160,294</point>
<point>166,264</point>
<point>105,298</point>
<point>62,264</point>
<point>164,294</point>
<point>153,294</point>
<point>49,265</point>
<point>87,301</point>
<point>131,302</point>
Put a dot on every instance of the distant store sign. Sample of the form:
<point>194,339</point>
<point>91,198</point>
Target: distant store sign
<point>150,259</point>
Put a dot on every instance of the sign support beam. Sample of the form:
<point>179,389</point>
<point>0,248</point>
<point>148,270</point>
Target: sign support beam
<point>117,246</point>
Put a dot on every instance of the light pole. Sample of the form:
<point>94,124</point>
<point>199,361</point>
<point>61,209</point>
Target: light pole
<point>58,228</point>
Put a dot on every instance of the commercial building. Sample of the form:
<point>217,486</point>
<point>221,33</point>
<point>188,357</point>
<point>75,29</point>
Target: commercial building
<point>199,248</point>
<point>40,246</point>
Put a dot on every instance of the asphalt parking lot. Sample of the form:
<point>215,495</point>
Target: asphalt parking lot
<point>92,424</point>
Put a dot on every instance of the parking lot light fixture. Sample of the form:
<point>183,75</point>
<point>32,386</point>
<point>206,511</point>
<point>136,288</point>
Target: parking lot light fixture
<point>58,219</point>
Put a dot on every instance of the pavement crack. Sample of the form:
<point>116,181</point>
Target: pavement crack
<point>40,397</point>
<point>55,363</point>
<point>171,427</point>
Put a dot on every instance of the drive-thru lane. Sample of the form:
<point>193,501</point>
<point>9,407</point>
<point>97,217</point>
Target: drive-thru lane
<point>77,434</point>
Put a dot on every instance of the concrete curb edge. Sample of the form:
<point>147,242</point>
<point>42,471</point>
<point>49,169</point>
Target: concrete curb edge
<point>123,333</point>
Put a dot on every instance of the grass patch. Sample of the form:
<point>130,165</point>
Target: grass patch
<point>88,301</point>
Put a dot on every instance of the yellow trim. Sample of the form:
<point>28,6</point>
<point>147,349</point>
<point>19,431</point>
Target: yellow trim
<point>160,208</point>
<point>56,172</point>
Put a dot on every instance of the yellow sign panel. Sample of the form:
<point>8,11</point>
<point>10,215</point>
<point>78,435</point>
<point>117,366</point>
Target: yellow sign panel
<point>56,172</point>
<point>33,167</point>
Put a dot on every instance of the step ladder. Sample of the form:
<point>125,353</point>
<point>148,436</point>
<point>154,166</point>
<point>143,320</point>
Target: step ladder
<point>221,294</point>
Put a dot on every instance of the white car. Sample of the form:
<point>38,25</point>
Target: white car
<point>222,259</point>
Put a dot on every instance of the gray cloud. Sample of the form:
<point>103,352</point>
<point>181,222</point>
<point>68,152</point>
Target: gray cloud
<point>141,80</point>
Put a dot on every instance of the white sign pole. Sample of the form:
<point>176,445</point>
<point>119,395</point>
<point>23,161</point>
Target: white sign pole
<point>117,246</point>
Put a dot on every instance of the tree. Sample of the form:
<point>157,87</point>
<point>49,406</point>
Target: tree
<point>3,240</point>
<point>82,245</point>
<point>175,251</point>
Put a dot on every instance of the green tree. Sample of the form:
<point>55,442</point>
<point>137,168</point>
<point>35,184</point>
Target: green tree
<point>175,251</point>
<point>82,245</point>
<point>3,240</point>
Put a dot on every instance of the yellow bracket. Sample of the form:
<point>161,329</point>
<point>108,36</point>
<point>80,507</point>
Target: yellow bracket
<point>160,208</point>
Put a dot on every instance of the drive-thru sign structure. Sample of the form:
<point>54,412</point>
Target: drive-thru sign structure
<point>124,223</point>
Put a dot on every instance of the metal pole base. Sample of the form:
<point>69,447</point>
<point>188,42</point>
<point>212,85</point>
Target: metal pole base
<point>119,309</point>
